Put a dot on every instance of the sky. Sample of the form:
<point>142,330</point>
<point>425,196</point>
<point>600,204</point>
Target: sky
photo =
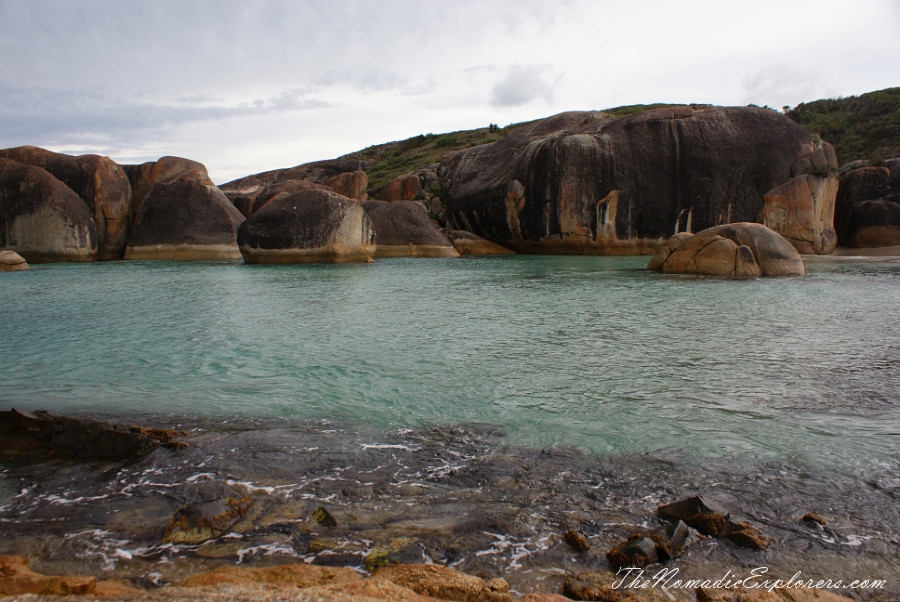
<point>245,86</point>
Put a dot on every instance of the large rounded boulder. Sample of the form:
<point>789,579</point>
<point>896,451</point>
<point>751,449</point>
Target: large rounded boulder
<point>403,229</point>
<point>184,218</point>
<point>314,225</point>
<point>41,218</point>
<point>737,250</point>
<point>867,210</point>
<point>594,183</point>
<point>10,261</point>
<point>343,176</point>
<point>102,185</point>
<point>142,177</point>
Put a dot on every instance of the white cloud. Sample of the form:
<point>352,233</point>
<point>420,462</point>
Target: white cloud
<point>522,84</point>
<point>247,86</point>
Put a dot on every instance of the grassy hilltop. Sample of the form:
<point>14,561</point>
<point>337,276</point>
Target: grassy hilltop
<point>859,127</point>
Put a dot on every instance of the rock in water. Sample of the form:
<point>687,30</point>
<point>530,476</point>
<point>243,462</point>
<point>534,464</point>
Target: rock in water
<point>315,225</point>
<point>10,261</point>
<point>185,217</point>
<point>41,218</point>
<point>99,182</point>
<point>867,210</point>
<point>472,244</point>
<point>591,183</point>
<point>738,250</point>
<point>403,229</point>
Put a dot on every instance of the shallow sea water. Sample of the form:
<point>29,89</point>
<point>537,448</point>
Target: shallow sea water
<point>476,407</point>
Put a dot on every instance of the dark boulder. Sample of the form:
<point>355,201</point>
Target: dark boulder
<point>41,218</point>
<point>403,229</point>
<point>314,225</point>
<point>42,434</point>
<point>867,210</point>
<point>739,250</point>
<point>591,183</point>
<point>142,177</point>
<point>101,183</point>
<point>343,176</point>
<point>185,217</point>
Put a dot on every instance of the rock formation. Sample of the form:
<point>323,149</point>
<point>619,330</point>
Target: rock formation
<point>467,243</point>
<point>867,210</point>
<point>185,217</point>
<point>42,434</point>
<point>101,184</point>
<point>310,226</point>
<point>403,229</point>
<point>142,177</point>
<point>739,250</point>
<point>252,193</point>
<point>10,261</point>
<point>590,183</point>
<point>41,218</point>
<point>404,187</point>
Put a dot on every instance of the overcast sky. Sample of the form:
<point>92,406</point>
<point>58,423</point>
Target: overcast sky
<point>245,86</point>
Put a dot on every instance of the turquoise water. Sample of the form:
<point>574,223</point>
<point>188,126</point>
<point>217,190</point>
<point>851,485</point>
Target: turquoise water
<point>589,352</point>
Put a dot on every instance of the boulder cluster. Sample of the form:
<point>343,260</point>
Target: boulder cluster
<point>577,182</point>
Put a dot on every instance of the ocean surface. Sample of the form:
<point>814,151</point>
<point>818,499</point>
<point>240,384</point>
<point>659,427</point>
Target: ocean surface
<point>782,389</point>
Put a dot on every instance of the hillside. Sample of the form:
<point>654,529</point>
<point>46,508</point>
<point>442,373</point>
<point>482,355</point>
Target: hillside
<point>388,160</point>
<point>859,127</point>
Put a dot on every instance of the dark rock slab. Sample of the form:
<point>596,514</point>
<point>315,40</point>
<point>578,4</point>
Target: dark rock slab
<point>403,229</point>
<point>591,183</point>
<point>42,434</point>
<point>100,182</point>
<point>41,218</point>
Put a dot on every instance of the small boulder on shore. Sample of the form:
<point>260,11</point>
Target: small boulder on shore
<point>737,250</point>
<point>10,261</point>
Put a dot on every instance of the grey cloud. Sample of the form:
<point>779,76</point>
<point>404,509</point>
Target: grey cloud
<point>522,84</point>
<point>35,115</point>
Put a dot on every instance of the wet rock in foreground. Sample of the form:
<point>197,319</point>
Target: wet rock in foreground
<point>42,434</point>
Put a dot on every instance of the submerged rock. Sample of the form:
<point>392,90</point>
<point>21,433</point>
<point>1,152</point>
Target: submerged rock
<point>10,261</point>
<point>315,225</point>
<point>403,229</point>
<point>740,250</point>
<point>590,183</point>
<point>100,182</point>
<point>41,218</point>
<point>197,523</point>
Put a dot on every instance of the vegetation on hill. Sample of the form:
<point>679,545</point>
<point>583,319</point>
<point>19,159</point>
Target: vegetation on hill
<point>859,127</point>
<point>389,160</point>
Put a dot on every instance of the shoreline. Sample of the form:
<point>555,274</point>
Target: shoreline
<point>453,496</point>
